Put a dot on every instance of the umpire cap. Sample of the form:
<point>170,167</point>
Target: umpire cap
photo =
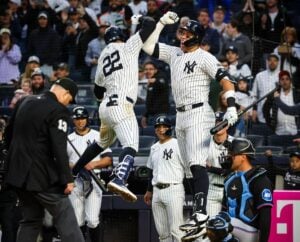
<point>80,112</point>
<point>241,146</point>
<point>196,29</point>
<point>113,34</point>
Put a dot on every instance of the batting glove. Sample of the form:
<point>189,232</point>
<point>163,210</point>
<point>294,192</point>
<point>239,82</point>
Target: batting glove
<point>231,115</point>
<point>135,19</point>
<point>169,18</point>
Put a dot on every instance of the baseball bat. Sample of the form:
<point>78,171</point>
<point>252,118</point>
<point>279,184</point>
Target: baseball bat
<point>98,181</point>
<point>224,123</point>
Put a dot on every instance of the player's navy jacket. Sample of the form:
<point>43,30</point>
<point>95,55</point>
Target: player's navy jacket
<point>37,137</point>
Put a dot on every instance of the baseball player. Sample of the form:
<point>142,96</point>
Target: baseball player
<point>165,188</point>
<point>192,70</point>
<point>216,174</point>
<point>117,77</point>
<point>247,193</point>
<point>86,196</point>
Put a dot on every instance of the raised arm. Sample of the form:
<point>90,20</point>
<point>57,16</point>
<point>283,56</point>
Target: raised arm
<point>151,42</point>
<point>286,109</point>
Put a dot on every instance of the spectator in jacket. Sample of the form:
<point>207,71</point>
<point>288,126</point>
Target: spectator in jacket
<point>239,40</point>
<point>212,37</point>
<point>10,56</point>
<point>45,43</point>
<point>157,99</point>
<point>281,123</point>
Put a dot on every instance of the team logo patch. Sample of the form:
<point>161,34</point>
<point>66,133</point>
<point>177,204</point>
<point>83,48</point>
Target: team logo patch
<point>266,195</point>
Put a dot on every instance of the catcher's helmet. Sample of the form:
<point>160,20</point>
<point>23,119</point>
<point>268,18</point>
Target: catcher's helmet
<point>113,33</point>
<point>80,112</point>
<point>196,29</point>
<point>163,120</point>
<point>241,146</point>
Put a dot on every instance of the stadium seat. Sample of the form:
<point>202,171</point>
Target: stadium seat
<point>281,140</point>
<point>146,141</point>
<point>290,149</point>
<point>260,129</point>
<point>85,95</point>
<point>276,150</point>
<point>257,140</point>
<point>150,131</point>
<point>139,109</point>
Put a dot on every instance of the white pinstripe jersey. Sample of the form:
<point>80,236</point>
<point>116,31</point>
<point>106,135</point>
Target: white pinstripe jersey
<point>166,162</point>
<point>264,82</point>
<point>81,142</point>
<point>216,151</point>
<point>191,73</point>
<point>117,69</point>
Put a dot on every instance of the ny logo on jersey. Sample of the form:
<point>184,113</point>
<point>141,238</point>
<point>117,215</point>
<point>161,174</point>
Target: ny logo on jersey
<point>168,154</point>
<point>189,67</point>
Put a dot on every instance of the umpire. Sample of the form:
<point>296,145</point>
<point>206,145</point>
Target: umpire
<point>38,162</point>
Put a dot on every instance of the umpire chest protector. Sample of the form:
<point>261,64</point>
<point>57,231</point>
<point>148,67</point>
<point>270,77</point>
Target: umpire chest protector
<point>240,201</point>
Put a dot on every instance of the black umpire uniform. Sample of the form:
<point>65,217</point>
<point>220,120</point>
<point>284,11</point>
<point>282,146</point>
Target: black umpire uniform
<point>38,162</point>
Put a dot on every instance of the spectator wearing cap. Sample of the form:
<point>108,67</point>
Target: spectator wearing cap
<point>239,40</point>
<point>211,37</point>
<point>32,63</point>
<point>153,11</point>
<point>45,43</point>
<point>60,71</point>
<point>10,56</point>
<point>94,50</point>
<point>280,123</point>
<point>218,20</point>
<point>291,175</point>
<point>38,82</point>
<point>264,82</point>
<point>236,69</point>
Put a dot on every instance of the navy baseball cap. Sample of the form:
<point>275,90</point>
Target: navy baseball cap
<point>69,85</point>
<point>296,153</point>
<point>232,48</point>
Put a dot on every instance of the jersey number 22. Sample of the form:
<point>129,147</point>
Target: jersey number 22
<point>112,63</point>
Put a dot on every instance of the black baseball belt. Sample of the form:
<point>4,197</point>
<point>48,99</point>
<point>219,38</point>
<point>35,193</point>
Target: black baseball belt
<point>189,107</point>
<point>113,101</point>
<point>218,185</point>
<point>164,185</point>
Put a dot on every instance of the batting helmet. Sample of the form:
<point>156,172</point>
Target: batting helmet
<point>163,120</point>
<point>196,29</point>
<point>113,34</point>
<point>80,112</point>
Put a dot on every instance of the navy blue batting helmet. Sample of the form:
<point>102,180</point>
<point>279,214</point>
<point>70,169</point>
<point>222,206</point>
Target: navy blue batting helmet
<point>113,34</point>
<point>164,120</point>
<point>80,112</point>
<point>196,29</point>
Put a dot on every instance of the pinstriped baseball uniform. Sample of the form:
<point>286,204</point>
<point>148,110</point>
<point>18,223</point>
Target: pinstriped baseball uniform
<point>215,191</point>
<point>167,203</point>
<point>118,72</point>
<point>86,209</point>
<point>191,74</point>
